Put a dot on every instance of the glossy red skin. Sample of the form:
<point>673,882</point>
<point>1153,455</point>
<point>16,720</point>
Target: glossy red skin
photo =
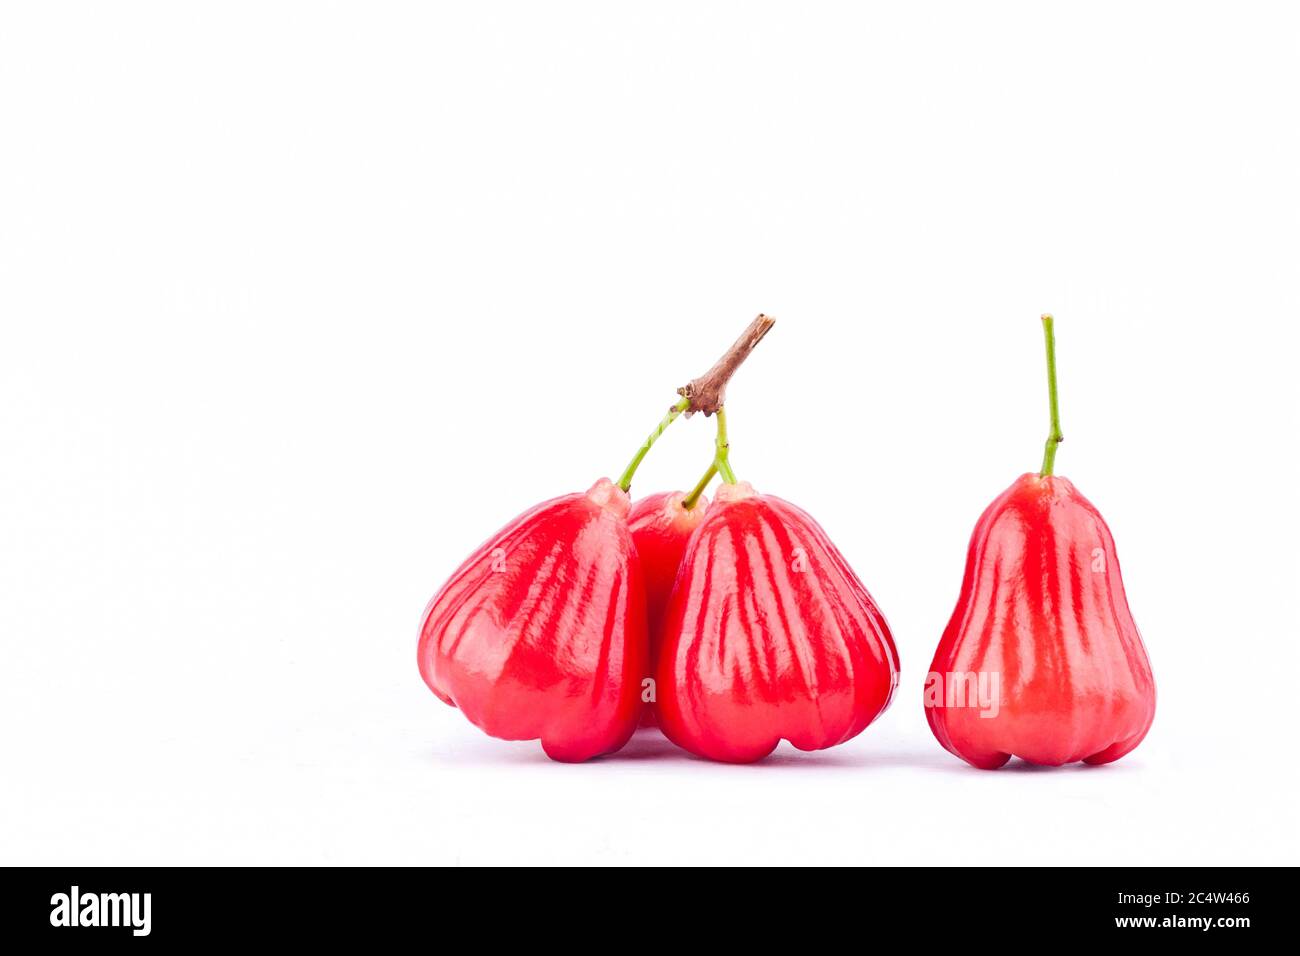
<point>661,528</point>
<point>755,650</point>
<point>1075,680</point>
<point>553,645</point>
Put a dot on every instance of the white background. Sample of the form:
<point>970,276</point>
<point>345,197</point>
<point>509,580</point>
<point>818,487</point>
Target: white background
<point>300,302</point>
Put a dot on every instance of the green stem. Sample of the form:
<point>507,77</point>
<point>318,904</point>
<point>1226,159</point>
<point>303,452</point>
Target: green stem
<point>724,467</point>
<point>625,482</point>
<point>689,501</point>
<point>719,465</point>
<point>1055,438</point>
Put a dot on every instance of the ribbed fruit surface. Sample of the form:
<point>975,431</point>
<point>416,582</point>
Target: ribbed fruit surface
<point>541,633</point>
<point>1043,608</point>
<point>769,634</point>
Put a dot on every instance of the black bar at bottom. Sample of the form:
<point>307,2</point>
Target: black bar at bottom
<point>642,911</point>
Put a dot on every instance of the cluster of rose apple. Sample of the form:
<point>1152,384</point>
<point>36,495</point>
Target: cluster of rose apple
<point>736,623</point>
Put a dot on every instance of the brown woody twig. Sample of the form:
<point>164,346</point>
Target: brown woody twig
<point>708,392</point>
